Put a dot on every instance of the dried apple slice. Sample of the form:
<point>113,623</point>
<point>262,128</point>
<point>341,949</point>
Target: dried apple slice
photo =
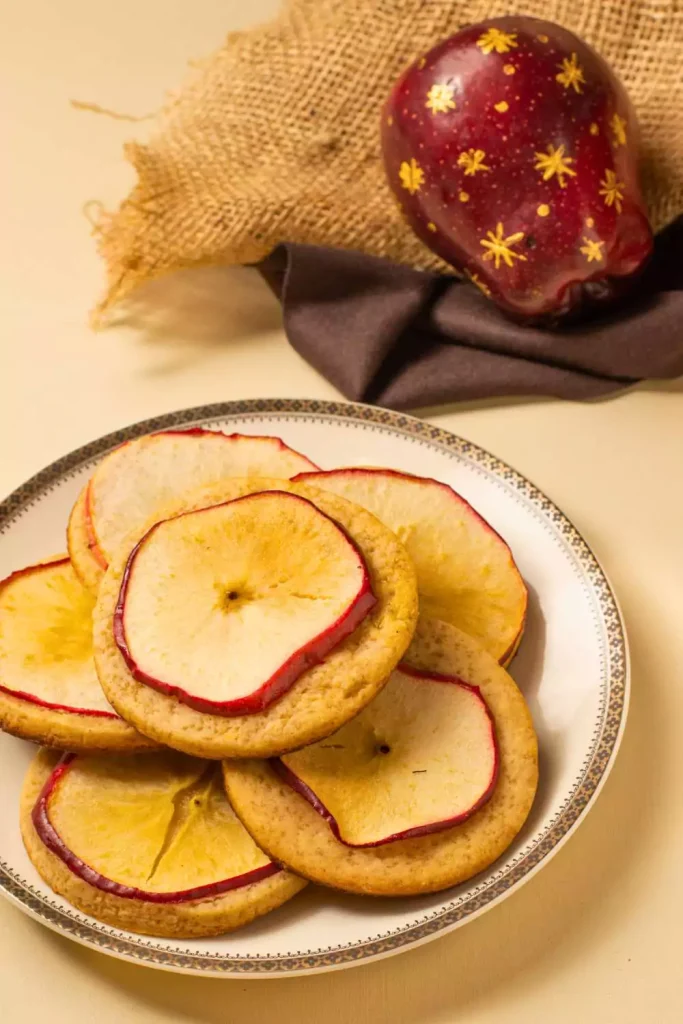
<point>325,695</point>
<point>466,574</point>
<point>227,606</point>
<point>405,808</point>
<point>149,843</point>
<point>141,475</point>
<point>421,758</point>
<point>49,690</point>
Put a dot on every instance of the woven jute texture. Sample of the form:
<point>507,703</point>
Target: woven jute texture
<point>276,138</point>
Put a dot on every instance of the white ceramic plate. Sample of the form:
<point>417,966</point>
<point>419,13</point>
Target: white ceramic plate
<point>572,667</point>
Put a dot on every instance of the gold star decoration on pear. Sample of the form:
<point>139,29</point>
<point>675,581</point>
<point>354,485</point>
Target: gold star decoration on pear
<point>618,125</point>
<point>412,176</point>
<point>592,250</point>
<point>611,190</point>
<point>499,247</point>
<point>571,74</point>
<point>481,285</point>
<point>494,39</point>
<point>440,99</point>
<point>473,160</point>
<point>555,163</point>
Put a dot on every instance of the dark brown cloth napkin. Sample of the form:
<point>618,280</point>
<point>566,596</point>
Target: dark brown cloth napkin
<point>403,338</point>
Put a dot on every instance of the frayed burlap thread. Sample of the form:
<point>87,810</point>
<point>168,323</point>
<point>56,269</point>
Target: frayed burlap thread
<point>276,137</point>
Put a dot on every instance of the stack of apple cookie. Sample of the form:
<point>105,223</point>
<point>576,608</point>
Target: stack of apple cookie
<point>250,673</point>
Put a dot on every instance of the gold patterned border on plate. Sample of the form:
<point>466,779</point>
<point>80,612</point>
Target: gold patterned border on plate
<point>607,733</point>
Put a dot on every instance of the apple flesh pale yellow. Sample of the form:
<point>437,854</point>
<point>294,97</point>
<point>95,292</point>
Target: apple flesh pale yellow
<point>218,610</point>
<point>421,758</point>
<point>142,475</point>
<point>156,828</point>
<point>466,573</point>
<point>46,641</point>
<point>439,758</point>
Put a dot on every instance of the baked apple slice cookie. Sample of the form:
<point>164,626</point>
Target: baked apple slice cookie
<point>142,475</point>
<point>253,618</point>
<point>426,787</point>
<point>465,571</point>
<point>49,690</point>
<point>147,843</point>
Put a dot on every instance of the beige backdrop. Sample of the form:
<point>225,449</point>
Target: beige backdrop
<point>596,937</point>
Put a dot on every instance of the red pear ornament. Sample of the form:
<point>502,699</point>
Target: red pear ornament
<point>512,149</point>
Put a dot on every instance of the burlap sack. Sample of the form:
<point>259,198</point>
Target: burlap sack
<point>276,138</point>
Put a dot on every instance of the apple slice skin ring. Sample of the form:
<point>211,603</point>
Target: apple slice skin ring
<point>218,906</point>
<point>324,696</point>
<point>49,690</point>
<point>419,719</point>
<point>139,475</point>
<point>466,573</point>
<point>285,824</point>
<point>242,532</point>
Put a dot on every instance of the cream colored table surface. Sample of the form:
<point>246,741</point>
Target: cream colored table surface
<point>597,936</point>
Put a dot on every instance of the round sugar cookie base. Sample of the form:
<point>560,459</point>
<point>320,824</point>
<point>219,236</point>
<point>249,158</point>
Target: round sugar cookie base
<point>288,828</point>
<point>201,918</point>
<point>323,697</point>
<point>69,730</point>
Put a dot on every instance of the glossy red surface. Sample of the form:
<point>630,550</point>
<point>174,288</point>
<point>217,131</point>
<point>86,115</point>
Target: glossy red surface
<point>512,149</point>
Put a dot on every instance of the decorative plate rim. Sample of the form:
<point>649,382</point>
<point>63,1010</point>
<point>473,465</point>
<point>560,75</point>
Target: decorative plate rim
<point>596,767</point>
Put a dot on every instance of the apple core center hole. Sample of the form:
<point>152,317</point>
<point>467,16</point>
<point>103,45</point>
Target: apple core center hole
<point>384,748</point>
<point>231,598</point>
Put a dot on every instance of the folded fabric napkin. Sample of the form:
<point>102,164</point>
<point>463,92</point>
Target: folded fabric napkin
<point>403,338</point>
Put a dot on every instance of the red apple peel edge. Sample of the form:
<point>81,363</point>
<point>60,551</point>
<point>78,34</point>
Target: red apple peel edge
<point>91,532</point>
<point>308,655</point>
<point>49,705</point>
<point>508,655</point>
<point>300,787</point>
<point>50,837</point>
<point>30,698</point>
